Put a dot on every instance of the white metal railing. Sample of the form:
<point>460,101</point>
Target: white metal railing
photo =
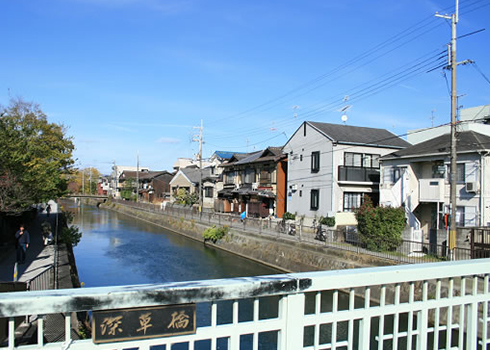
<point>429,306</point>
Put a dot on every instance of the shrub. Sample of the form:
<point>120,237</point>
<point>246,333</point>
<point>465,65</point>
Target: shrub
<point>327,221</point>
<point>380,228</point>
<point>70,235</point>
<point>214,233</point>
<point>288,216</point>
<point>183,197</point>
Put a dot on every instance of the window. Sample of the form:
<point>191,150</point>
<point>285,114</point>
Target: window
<point>314,199</point>
<point>460,216</point>
<point>361,160</point>
<point>466,216</point>
<point>249,176</point>
<point>230,178</point>
<point>461,173</point>
<point>315,162</point>
<point>352,200</point>
<point>208,192</point>
<point>265,176</point>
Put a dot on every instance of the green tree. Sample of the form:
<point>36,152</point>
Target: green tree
<point>127,191</point>
<point>185,198</point>
<point>35,156</point>
<point>82,178</point>
<point>380,228</point>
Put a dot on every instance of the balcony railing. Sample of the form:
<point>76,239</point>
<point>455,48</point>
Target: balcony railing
<point>356,174</point>
<point>438,305</point>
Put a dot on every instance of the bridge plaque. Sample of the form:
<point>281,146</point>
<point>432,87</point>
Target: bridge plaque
<point>143,323</point>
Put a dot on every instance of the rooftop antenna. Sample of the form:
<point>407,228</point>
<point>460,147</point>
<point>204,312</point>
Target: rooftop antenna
<point>295,107</point>
<point>432,118</point>
<point>344,112</point>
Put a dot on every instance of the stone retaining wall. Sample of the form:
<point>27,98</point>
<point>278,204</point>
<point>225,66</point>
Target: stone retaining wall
<point>283,254</point>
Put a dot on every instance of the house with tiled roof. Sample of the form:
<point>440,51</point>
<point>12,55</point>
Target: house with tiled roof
<point>154,186</point>
<point>254,183</point>
<point>331,167</point>
<point>418,176</point>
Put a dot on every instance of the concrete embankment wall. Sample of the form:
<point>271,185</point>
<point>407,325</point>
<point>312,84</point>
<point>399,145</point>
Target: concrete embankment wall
<point>286,255</point>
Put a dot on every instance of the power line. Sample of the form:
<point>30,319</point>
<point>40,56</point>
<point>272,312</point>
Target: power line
<point>401,74</point>
<point>405,33</point>
<point>480,71</point>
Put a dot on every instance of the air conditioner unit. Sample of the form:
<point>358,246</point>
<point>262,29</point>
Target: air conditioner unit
<point>472,187</point>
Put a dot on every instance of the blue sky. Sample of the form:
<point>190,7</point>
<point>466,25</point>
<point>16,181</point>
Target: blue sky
<point>135,76</point>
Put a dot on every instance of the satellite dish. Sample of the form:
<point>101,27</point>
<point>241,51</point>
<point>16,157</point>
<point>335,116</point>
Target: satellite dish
<point>344,118</point>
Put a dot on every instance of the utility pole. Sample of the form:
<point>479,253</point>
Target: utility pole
<point>454,105</point>
<point>199,139</point>
<point>137,177</point>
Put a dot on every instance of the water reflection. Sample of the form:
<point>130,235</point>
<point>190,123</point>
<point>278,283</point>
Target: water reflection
<point>116,249</point>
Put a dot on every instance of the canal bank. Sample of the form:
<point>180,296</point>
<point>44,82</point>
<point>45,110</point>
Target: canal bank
<point>284,253</point>
<point>290,255</point>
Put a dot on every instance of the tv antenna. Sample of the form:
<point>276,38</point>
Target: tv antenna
<point>295,107</point>
<point>344,111</point>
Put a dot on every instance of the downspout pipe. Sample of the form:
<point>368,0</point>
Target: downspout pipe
<point>482,188</point>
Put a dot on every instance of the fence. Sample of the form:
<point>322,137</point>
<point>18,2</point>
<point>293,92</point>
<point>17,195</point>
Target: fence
<point>440,305</point>
<point>42,281</point>
<point>409,252</point>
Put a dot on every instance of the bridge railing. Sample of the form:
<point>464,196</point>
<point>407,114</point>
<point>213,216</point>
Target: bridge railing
<point>422,306</point>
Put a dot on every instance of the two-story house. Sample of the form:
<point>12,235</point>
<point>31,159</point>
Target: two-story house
<point>189,179</point>
<point>154,186</point>
<point>117,170</point>
<point>417,178</point>
<point>254,183</point>
<point>331,167</point>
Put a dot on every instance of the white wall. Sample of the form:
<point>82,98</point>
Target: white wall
<point>300,175</point>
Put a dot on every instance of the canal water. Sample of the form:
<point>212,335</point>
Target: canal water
<point>116,249</point>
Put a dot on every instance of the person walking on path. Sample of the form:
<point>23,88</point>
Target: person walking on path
<point>23,240</point>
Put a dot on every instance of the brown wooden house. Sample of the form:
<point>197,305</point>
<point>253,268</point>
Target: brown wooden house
<point>255,183</point>
<point>154,186</point>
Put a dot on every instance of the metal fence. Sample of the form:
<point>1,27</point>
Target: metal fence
<point>42,281</point>
<point>424,306</point>
<point>409,252</point>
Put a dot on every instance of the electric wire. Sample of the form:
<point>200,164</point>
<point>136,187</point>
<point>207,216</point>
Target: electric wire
<point>366,94</point>
<point>402,71</point>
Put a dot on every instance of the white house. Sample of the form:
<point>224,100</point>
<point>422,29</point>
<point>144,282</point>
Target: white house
<point>417,178</point>
<point>331,167</point>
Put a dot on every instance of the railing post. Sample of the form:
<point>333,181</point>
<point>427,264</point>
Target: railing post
<point>291,337</point>
<point>472,323</point>
<point>365,323</point>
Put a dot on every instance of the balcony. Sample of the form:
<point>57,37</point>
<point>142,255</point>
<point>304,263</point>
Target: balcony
<point>431,190</point>
<point>357,174</point>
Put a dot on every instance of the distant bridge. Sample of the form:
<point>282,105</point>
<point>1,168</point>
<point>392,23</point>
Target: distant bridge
<point>95,196</point>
